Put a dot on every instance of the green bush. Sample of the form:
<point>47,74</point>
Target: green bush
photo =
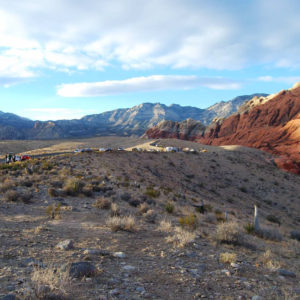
<point>169,208</point>
<point>249,228</point>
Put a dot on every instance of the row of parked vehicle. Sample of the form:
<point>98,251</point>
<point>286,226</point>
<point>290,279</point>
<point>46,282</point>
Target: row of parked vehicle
<point>11,157</point>
<point>100,150</point>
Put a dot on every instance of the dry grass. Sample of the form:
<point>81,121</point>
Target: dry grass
<point>229,233</point>
<point>73,186</point>
<point>143,208</point>
<point>189,221</point>
<point>165,226</point>
<point>7,185</point>
<point>227,258</point>
<point>181,237</point>
<point>114,210</point>
<point>102,203</point>
<point>127,223</point>
<point>49,281</point>
<point>150,216</point>
<point>268,260</point>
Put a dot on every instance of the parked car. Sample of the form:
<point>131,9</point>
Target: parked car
<point>25,157</point>
<point>105,149</point>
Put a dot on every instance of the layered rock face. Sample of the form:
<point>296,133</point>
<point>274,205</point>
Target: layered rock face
<point>272,126</point>
<point>189,129</point>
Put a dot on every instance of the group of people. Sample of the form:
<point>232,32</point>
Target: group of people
<point>11,158</point>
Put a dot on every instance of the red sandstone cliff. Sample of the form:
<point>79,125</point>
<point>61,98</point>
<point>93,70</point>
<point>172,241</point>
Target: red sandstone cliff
<point>273,126</point>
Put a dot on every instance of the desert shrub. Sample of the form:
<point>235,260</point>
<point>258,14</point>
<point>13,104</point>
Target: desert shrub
<point>295,235</point>
<point>249,228</point>
<point>290,249</point>
<point>25,197</point>
<point>208,207</point>
<point>269,234</point>
<point>229,233</point>
<point>126,223</point>
<point>88,190</point>
<point>102,203</point>
<point>189,221</point>
<point>181,237</point>
<point>169,208</point>
<point>165,226</point>
<point>143,208</point>
<point>56,184</point>
<point>50,282</point>
<point>243,189</point>
<point>150,216</point>
<point>73,186</point>
<point>52,192</point>
<point>151,192</point>
<point>114,210</point>
<point>220,216</point>
<point>125,196</point>
<point>227,258</point>
<point>46,165</point>
<point>268,260</point>
<point>26,182</point>
<point>11,196</point>
<point>273,219</point>
<point>53,211</point>
<point>210,218</point>
<point>7,185</point>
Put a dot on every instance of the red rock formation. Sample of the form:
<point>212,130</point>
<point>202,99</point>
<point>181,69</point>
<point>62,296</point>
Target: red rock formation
<point>273,126</point>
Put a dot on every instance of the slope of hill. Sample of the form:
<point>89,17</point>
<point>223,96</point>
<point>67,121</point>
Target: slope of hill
<point>135,230</point>
<point>273,126</point>
<point>122,122</point>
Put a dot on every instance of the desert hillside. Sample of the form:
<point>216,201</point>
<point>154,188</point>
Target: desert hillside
<point>143,225</point>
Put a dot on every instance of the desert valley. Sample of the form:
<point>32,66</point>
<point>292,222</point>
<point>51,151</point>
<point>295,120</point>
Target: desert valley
<point>150,150</point>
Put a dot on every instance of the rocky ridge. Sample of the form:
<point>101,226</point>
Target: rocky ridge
<point>132,121</point>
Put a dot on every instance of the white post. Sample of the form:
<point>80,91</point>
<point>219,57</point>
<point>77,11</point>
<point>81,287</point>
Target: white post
<point>256,221</point>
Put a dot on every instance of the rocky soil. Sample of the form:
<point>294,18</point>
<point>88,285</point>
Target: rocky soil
<point>125,225</point>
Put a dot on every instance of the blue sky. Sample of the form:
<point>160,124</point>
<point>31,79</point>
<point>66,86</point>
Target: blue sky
<point>67,58</point>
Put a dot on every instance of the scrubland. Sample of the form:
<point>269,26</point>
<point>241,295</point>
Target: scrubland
<point>126,225</point>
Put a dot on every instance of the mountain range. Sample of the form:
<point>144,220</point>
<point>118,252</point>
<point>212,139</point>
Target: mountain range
<point>122,122</point>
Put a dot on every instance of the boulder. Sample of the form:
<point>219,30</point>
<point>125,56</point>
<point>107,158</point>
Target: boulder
<point>65,245</point>
<point>82,269</point>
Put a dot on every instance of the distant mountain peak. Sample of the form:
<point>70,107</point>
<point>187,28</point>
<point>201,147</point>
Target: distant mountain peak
<point>126,121</point>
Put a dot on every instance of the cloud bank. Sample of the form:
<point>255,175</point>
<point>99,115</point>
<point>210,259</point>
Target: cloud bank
<point>66,35</point>
<point>143,84</point>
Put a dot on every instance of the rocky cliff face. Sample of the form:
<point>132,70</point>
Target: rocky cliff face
<point>188,129</point>
<point>272,124</point>
<point>123,122</point>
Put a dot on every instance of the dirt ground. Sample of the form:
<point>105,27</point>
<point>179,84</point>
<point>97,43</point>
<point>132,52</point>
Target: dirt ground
<point>170,248</point>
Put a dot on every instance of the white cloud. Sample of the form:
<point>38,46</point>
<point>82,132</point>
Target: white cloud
<point>287,79</point>
<point>85,35</point>
<point>45,114</point>
<point>143,84</point>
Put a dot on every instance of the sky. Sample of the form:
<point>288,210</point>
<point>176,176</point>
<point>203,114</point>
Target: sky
<point>63,59</point>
